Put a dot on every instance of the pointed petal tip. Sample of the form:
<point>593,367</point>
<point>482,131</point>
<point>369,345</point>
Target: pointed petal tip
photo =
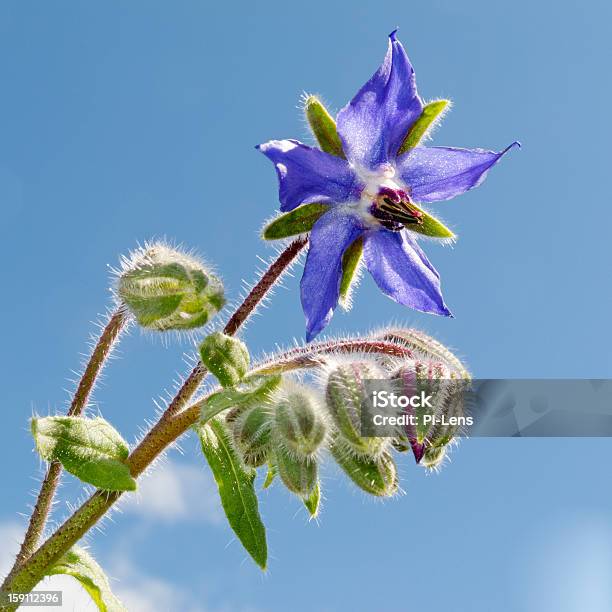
<point>393,35</point>
<point>516,144</point>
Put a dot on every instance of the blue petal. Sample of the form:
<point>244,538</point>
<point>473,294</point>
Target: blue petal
<point>440,173</point>
<point>331,235</point>
<point>402,271</point>
<point>307,175</point>
<point>373,125</point>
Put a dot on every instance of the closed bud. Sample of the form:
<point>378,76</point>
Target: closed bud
<point>442,415</point>
<point>252,432</point>
<point>299,421</point>
<point>345,394</point>
<point>374,475</point>
<point>166,289</point>
<point>299,475</point>
<point>424,347</point>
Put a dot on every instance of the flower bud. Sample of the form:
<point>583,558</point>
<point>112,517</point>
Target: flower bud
<point>345,394</point>
<point>166,289</point>
<point>298,474</point>
<point>299,422</point>
<point>438,422</point>
<point>252,432</point>
<point>422,346</point>
<point>375,475</point>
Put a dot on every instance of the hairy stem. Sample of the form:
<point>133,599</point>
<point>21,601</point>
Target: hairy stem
<point>241,314</point>
<point>44,501</point>
<point>164,433</point>
<point>170,426</point>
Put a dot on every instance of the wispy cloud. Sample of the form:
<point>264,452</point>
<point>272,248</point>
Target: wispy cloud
<point>176,492</point>
<point>144,593</point>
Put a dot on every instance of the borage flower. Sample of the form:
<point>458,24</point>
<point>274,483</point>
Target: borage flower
<point>366,187</point>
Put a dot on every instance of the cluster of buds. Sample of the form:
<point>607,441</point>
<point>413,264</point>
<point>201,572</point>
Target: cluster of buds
<point>286,431</point>
<point>294,425</point>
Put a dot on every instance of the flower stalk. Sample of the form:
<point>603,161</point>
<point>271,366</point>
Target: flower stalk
<point>30,567</point>
<point>44,501</point>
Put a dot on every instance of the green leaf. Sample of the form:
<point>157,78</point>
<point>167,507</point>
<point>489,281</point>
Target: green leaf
<point>226,358</point>
<point>80,565</point>
<point>298,221</point>
<point>430,226</point>
<point>350,265</point>
<point>313,500</point>
<point>323,126</point>
<point>252,390</point>
<point>431,114</point>
<point>236,489</point>
<point>91,449</point>
<point>270,476</point>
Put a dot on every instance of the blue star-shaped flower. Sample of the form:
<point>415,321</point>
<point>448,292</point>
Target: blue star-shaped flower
<point>371,193</point>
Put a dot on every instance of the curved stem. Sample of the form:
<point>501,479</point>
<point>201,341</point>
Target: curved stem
<point>170,426</point>
<point>44,501</point>
<point>241,314</point>
<point>164,433</point>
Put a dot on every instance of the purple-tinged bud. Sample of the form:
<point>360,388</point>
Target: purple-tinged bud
<point>425,347</point>
<point>345,393</point>
<point>436,421</point>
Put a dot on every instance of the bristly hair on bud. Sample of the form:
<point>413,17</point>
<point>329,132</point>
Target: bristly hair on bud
<point>300,421</point>
<point>345,394</point>
<point>165,288</point>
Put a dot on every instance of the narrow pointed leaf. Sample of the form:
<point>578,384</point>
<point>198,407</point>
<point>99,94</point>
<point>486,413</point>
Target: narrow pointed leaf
<point>225,357</point>
<point>236,489</point>
<point>312,502</point>
<point>432,113</point>
<point>323,126</point>
<point>298,221</point>
<point>80,565</point>
<point>430,226</point>
<point>350,266</point>
<point>90,449</point>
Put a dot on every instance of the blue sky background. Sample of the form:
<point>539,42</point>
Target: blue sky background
<point>125,121</point>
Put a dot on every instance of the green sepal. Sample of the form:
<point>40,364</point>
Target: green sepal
<point>270,476</point>
<point>252,390</point>
<point>298,221</point>
<point>236,489</point>
<point>80,565</point>
<point>430,226</point>
<point>431,114</point>
<point>299,475</point>
<point>225,357</point>
<point>323,126</point>
<point>350,265</point>
<point>90,449</point>
<point>313,500</point>
<point>374,475</point>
